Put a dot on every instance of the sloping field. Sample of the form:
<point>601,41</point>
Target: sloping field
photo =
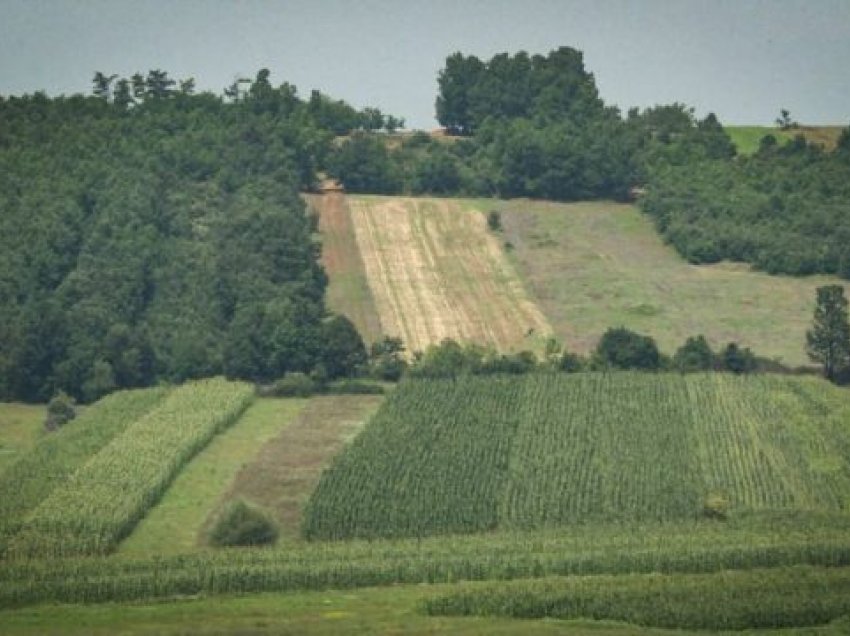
<point>596,265</point>
<point>100,502</point>
<point>479,453</point>
<point>348,290</point>
<point>175,524</point>
<point>51,462</point>
<point>436,272</point>
<point>283,473</point>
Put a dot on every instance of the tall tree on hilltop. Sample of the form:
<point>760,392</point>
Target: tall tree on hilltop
<point>828,341</point>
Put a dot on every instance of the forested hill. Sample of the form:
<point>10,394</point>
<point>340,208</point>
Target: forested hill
<point>150,233</point>
<point>535,126</point>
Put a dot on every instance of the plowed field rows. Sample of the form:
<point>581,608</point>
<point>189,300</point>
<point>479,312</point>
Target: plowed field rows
<point>435,272</point>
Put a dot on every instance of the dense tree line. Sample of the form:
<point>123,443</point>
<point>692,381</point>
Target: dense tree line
<point>530,126</point>
<point>149,233</point>
<point>785,209</point>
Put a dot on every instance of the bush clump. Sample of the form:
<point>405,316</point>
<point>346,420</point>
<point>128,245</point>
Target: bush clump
<point>242,524</point>
<point>60,411</point>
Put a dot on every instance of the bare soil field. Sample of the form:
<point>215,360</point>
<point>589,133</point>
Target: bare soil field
<point>348,291</point>
<point>436,272</point>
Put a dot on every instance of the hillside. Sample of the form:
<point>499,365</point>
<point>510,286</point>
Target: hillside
<point>594,265</point>
<point>477,454</point>
<point>426,269</point>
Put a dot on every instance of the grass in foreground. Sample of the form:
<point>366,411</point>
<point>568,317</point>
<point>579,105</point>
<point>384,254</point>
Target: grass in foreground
<point>595,265</point>
<point>174,524</point>
<point>328,613</point>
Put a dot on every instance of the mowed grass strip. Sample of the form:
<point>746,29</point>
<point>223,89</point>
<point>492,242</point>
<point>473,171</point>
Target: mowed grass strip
<point>284,472</point>
<point>596,265</point>
<point>174,524</point>
<point>348,290</point>
<point>21,426</point>
<point>436,272</point>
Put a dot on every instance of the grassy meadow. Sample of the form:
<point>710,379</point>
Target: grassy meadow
<point>596,265</point>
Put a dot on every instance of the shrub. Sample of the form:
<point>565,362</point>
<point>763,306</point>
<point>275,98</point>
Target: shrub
<point>242,524</point>
<point>60,411</point>
<point>694,355</point>
<point>625,349</point>
<point>292,385</point>
<point>354,387</point>
<point>494,221</point>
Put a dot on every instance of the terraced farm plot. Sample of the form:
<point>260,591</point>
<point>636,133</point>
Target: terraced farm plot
<point>474,454</point>
<point>436,272</point>
<point>596,265</point>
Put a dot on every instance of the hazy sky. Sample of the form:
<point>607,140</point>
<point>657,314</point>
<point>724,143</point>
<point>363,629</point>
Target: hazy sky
<point>742,59</point>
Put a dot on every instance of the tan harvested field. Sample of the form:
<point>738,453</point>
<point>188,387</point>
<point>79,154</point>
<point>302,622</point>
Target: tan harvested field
<point>436,272</point>
<point>348,291</point>
<point>598,264</point>
<point>287,468</point>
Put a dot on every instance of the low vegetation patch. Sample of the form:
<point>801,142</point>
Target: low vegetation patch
<point>243,524</point>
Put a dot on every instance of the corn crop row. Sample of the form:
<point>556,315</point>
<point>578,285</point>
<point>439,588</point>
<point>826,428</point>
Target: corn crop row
<point>30,480</point>
<point>105,498</point>
<point>99,579</point>
<point>476,453</point>
<point>756,599</point>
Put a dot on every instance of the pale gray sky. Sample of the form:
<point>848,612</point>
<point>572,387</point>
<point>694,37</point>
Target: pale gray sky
<point>742,59</point>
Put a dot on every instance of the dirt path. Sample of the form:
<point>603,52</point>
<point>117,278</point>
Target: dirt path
<point>287,468</point>
<point>435,272</point>
<point>348,291</point>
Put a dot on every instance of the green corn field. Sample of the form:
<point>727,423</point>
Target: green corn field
<point>99,503</point>
<point>27,482</point>
<point>763,541</point>
<point>756,599</point>
<point>474,454</point>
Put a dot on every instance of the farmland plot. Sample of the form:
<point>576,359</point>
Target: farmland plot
<point>478,453</point>
<point>436,272</point>
<point>92,510</point>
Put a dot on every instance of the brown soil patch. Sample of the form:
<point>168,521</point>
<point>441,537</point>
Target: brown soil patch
<point>286,470</point>
<point>348,292</point>
<point>436,272</point>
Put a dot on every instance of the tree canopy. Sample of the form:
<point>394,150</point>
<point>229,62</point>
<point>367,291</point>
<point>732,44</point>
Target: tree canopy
<point>151,233</point>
